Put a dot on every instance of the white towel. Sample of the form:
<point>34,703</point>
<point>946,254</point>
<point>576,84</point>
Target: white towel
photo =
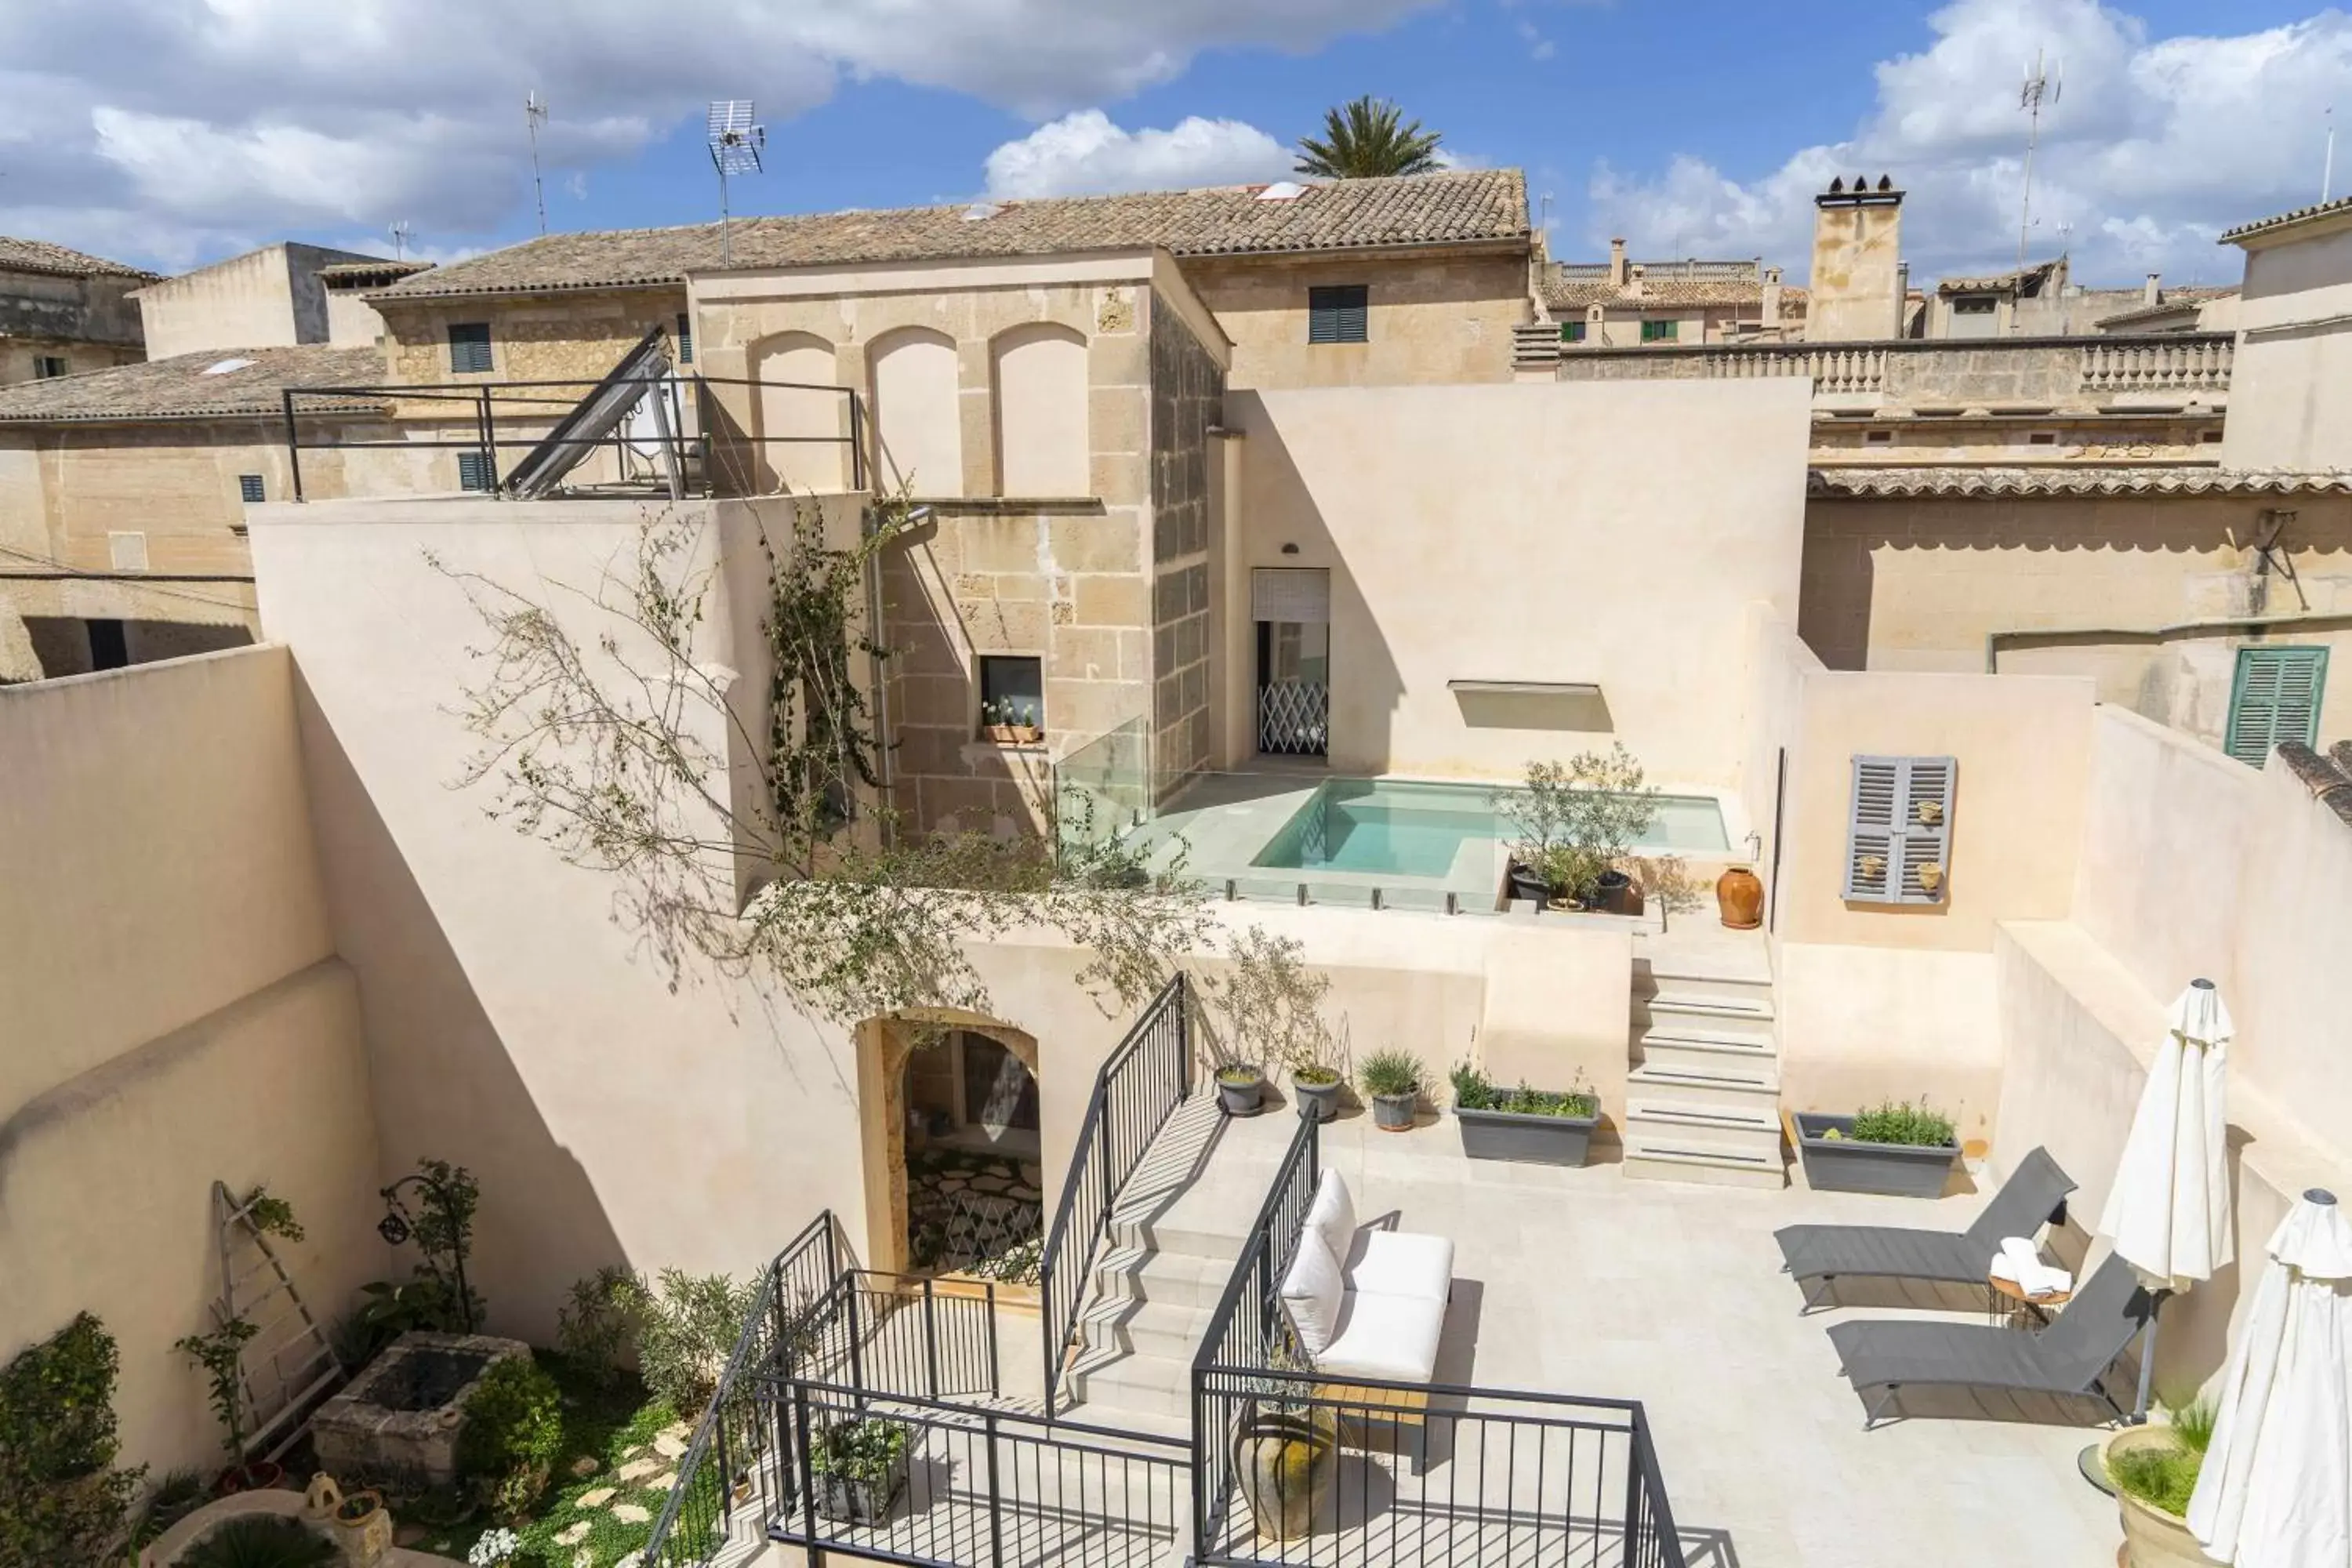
<point>2021,1264</point>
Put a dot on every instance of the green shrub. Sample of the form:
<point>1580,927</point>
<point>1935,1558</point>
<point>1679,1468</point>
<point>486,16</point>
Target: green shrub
<point>262,1540</point>
<point>1904,1124</point>
<point>1472,1091</point>
<point>599,1326</point>
<point>1391,1071</point>
<point>513,1435</point>
<point>2162,1477</point>
<point>2192,1424</point>
<point>858,1450</point>
<point>685,1331</point>
<point>61,1500</point>
<point>179,1494</point>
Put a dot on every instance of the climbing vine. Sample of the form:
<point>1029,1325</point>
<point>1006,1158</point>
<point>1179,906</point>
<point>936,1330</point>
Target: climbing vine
<point>610,733</point>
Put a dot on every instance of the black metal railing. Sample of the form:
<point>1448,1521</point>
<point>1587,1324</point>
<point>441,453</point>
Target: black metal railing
<point>707,441</point>
<point>1138,1088</point>
<point>920,1482</point>
<point>785,1326</point>
<point>1438,1472</point>
<point>900,1335</point>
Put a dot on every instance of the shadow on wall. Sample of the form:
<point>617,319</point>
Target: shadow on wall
<point>455,1094</point>
<point>1362,729</point>
<point>68,644</point>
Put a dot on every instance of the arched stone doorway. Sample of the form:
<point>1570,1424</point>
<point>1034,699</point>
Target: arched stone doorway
<point>949,1131</point>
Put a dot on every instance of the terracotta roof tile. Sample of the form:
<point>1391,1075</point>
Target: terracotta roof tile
<point>2285,219</point>
<point>178,389</point>
<point>40,255</point>
<point>1573,287</point>
<point>1467,207</point>
<point>2069,480</point>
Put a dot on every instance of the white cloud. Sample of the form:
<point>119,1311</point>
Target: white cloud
<point>161,130</point>
<point>1084,155</point>
<point>2151,150</point>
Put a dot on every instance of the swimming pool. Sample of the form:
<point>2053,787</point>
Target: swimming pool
<point>1394,827</point>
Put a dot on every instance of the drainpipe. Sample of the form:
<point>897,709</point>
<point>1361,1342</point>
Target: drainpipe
<point>1902,298</point>
<point>1996,641</point>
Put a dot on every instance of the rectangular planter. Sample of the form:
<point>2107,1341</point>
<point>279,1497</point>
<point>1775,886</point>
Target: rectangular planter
<point>1530,1139</point>
<point>1893,1169</point>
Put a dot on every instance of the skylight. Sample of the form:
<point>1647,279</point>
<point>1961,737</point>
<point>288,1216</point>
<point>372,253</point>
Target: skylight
<point>1282,191</point>
<point>979,211</point>
<point>224,367</point>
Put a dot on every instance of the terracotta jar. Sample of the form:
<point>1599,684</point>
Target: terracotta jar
<point>1740,896</point>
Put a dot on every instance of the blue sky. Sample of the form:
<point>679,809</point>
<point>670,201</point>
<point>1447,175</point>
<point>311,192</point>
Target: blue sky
<point>171,133</point>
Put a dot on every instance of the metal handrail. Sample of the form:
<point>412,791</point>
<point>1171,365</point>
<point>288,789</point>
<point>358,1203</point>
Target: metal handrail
<point>1111,1142</point>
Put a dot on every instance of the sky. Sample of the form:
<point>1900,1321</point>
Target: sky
<point>174,132</point>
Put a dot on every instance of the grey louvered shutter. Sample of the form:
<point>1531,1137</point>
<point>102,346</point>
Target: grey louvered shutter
<point>2276,699</point>
<point>1338,313</point>
<point>1899,830</point>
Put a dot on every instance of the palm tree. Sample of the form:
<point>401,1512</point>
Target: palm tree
<point>1365,138</point>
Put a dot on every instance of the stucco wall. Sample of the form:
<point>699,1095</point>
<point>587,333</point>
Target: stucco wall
<point>176,1018</point>
<point>1444,319</point>
<point>245,302</point>
<point>2287,409</point>
<point>93,322</point>
<point>1529,532</point>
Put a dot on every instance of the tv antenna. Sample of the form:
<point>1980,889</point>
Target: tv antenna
<point>534,115</point>
<point>735,143</point>
<point>2040,85</point>
<point>2327,170</point>
<point>399,233</point>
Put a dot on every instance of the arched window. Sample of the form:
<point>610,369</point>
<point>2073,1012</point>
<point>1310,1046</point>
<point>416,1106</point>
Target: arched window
<point>788,366</point>
<point>915,413</point>
<point>1041,411</point>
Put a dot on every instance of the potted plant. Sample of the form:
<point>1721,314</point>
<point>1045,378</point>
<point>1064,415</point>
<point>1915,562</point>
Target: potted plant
<point>1576,822</point>
<point>262,1541</point>
<point>218,1353</point>
<point>363,1529</point>
<point>1285,1455</point>
<point>1317,1084</point>
<point>996,722</point>
<point>2154,1470</point>
<point>1026,731</point>
<point>1900,1150</point>
<point>860,1468</point>
<point>1529,1125</point>
<point>1241,1088</point>
<point>1391,1077</point>
<point>1272,1006</point>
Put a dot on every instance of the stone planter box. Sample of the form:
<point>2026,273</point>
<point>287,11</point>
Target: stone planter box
<point>1529,1139</point>
<point>1844,1166</point>
<point>402,1415</point>
<point>2152,1538</point>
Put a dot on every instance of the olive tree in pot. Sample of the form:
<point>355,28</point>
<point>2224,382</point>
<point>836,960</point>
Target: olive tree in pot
<point>1271,1005</point>
<point>1285,1452</point>
<point>1577,822</point>
<point>1391,1078</point>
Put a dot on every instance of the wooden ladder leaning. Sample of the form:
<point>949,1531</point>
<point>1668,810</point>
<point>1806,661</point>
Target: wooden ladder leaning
<point>288,1366</point>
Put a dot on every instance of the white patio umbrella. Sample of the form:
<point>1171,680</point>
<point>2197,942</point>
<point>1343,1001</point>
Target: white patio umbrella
<point>2169,1210</point>
<point>2276,1487</point>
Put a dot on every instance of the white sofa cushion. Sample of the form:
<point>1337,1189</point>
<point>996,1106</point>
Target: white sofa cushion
<point>1400,1263</point>
<point>1333,1214</point>
<point>1391,1337</point>
<point>1313,1293</point>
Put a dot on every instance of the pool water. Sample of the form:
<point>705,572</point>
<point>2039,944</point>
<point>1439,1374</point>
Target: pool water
<point>1393,828</point>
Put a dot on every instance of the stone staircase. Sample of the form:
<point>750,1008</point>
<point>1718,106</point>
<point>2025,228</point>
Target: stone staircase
<point>1703,1097</point>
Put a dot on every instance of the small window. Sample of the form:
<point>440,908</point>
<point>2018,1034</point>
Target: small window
<point>2041,437</point>
<point>1571,332</point>
<point>469,347</point>
<point>49,367</point>
<point>107,649</point>
<point>1661,331</point>
<point>1013,692</point>
<point>249,488</point>
<point>1974,305</point>
<point>685,338</point>
<point>2274,699</point>
<point>1878,438</point>
<point>2210,437</point>
<point>1898,842</point>
<point>1338,313</point>
<point>473,471</point>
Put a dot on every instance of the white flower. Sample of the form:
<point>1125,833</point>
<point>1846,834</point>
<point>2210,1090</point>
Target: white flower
<point>493,1549</point>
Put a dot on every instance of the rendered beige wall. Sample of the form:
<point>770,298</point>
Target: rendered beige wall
<point>175,1017</point>
<point>1526,532</point>
<point>2287,408</point>
<point>247,301</point>
<point>1444,319</point>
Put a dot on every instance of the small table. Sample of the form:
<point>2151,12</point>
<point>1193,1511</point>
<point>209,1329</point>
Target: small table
<point>1404,1411</point>
<point>2006,1301</point>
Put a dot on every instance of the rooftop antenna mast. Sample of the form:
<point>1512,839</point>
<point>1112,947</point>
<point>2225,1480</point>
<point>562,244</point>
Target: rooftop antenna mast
<point>399,232</point>
<point>2327,172</point>
<point>534,115</point>
<point>2039,85</point>
<point>735,144</point>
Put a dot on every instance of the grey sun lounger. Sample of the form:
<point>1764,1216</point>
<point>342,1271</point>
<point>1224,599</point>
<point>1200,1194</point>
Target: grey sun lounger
<point>2035,1192</point>
<point>2069,1358</point>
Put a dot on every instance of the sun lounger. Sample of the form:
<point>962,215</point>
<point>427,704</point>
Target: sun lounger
<point>2035,1192</point>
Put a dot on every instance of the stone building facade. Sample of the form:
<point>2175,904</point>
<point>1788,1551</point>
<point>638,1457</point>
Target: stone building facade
<point>62,313</point>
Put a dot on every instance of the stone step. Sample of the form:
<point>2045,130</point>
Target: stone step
<point>1155,1385</point>
<point>1710,1128</point>
<point>1735,1083</point>
<point>1170,1233</point>
<point>1661,977</point>
<point>1702,1022</point>
<point>1705,1051</point>
<point>1183,1279</point>
<point>1125,1326</point>
<point>1673,997</point>
<point>1700,1159</point>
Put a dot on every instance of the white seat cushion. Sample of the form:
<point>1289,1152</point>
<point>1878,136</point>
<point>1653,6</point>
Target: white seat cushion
<point>1400,1263</point>
<point>1313,1293</point>
<point>1391,1337</point>
<point>1333,1214</point>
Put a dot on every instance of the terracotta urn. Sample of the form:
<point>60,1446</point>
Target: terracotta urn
<point>1284,1463</point>
<point>1740,896</point>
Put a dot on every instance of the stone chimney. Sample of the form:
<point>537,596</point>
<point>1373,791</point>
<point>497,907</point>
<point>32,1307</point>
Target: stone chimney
<point>1856,279</point>
<point>2153,293</point>
<point>1616,264</point>
<point>1770,314</point>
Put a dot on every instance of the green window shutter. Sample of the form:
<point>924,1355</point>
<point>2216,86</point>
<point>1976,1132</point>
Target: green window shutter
<point>1899,830</point>
<point>473,471</point>
<point>469,347</point>
<point>249,488</point>
<point>2275,698</point>
<point>1338,313</point>
<point>1661,331</point>
<point>685,338</point>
